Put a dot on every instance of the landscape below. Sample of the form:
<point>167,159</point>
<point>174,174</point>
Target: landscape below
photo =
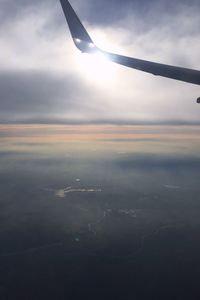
<point>99,212</point>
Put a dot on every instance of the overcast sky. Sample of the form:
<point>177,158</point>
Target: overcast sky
<point>44,79</point>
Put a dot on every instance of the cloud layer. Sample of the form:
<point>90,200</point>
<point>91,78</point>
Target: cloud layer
<point>42,76</point>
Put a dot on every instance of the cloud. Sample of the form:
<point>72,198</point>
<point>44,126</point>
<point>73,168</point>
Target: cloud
<point>42,80</point>
<point>36,93</point>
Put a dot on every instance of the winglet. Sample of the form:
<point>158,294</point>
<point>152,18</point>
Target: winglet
<point>81,38</point>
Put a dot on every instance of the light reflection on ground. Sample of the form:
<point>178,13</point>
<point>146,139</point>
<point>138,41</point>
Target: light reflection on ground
<point>95,205</point>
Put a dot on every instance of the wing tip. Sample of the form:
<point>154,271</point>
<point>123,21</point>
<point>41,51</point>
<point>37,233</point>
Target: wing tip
<point>80,36</point>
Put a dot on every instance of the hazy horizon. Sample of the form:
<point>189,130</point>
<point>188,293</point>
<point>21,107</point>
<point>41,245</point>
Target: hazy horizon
<point>99,212</point>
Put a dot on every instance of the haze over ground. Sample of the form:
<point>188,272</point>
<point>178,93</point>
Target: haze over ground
<point>99,212</point>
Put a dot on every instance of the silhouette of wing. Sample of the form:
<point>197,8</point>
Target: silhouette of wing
<point>84,43</point>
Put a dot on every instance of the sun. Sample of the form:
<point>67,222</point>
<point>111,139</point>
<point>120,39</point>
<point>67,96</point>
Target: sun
<point>96,67</point>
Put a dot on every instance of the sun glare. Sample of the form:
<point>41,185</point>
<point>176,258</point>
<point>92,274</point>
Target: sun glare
<point>96,67</point>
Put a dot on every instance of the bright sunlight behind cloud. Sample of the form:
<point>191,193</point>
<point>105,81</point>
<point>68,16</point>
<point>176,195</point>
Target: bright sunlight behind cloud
<point>44,78</point>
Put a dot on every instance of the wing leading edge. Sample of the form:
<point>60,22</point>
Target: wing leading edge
<point>84,43</point>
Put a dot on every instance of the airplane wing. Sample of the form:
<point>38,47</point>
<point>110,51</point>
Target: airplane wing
<point>84,43</point>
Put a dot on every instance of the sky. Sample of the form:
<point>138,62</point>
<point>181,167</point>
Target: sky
<point>44,78</point>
